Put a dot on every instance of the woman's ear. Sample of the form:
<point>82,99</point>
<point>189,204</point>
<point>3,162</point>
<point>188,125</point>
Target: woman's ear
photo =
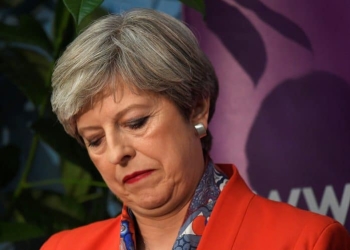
<point>200,112</point>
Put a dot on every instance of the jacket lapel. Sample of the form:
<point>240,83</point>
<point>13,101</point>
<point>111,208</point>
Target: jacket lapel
<point>228,214</point>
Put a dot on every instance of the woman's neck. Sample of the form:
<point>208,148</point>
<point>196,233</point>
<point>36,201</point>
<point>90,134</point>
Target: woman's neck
<point>159,233</point>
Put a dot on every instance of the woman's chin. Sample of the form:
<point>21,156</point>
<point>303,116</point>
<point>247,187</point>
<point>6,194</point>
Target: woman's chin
<point>150,204</point>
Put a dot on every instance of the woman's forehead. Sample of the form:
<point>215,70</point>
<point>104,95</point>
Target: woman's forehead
<point>122,95</point>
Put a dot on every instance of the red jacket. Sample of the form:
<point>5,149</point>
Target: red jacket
<point>240,220</point>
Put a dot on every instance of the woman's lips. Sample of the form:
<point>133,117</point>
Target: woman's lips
<point>136,176</point>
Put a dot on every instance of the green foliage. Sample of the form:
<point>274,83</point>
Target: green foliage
<point>80,9</point>
<point>18,231</point>
<point>28,70</point>
<point>198,5</point>
<point>29,32</point>
<point>26,60</point>
<point>9,160</point>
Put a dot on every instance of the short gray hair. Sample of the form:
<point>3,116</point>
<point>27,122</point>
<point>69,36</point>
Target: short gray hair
<point>148,50</point>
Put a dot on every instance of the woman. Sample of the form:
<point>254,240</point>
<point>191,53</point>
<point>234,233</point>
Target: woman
<point>137,91</point>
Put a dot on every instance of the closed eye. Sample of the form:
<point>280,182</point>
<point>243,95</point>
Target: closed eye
<point>138,123</point>
<point>94,143</point>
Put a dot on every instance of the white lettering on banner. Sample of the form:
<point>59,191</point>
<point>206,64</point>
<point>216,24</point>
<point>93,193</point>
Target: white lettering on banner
<point>329,201</point>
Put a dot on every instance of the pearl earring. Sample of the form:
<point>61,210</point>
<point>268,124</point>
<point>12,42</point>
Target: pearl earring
<point>201,131</point>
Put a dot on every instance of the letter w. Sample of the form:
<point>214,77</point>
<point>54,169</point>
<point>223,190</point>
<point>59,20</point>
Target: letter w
<point>329,200</point>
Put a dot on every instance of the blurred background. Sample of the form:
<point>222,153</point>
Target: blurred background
<point>282,115</point>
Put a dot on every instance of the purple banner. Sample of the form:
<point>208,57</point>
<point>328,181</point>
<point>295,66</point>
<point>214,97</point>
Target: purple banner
<point>283,113</point>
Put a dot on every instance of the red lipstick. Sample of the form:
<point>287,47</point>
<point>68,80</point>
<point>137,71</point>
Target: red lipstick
<point>136,176</point>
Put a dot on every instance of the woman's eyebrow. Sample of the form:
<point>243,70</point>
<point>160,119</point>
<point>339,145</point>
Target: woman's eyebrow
<point>87,128</point>
<point>130,108</point>
<point>116,116</point>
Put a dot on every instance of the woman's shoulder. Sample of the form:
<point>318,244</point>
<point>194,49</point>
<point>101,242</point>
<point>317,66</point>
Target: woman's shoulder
<point>255,222</point>
<point>97,235</point>
<point>304,229</point>
<point>287,214</point>
<point>240,197</point>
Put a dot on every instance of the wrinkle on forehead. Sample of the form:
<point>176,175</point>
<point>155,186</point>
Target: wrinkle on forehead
<point>116,90</point>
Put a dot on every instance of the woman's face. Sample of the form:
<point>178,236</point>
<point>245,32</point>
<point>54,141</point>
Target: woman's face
<point>147,153</point>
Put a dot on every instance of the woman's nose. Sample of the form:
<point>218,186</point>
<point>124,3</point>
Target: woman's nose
<point>120,152</point>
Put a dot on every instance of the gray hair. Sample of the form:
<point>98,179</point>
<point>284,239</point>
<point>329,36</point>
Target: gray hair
<point>148,50</point>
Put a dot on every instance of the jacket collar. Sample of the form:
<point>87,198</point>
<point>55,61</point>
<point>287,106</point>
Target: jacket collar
<point>231,207</point>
